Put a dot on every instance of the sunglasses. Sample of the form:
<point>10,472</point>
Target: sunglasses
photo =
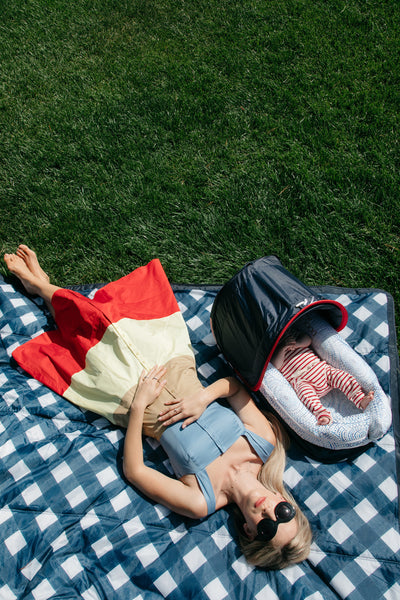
<point>267,528</point>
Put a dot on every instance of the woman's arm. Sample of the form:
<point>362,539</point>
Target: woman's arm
<point>250,415</point>
<point>170,492</point>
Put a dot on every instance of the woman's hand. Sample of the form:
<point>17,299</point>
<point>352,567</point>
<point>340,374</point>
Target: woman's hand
<point>189,408</point>
<point>150,386</point>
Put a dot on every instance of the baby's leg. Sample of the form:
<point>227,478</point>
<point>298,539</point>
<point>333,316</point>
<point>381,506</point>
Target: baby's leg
<point>347,384</point>
<point>367,399</point>
<point>307,394</point>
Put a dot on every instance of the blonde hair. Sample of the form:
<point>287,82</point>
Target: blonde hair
<point>265,554</point>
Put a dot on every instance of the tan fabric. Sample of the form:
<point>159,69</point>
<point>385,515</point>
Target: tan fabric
<point>182,381</point>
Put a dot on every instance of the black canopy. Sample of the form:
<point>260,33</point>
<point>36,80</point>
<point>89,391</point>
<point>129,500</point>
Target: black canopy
<point>253,310</point>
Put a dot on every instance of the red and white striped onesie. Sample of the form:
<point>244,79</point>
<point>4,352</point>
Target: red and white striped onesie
<point>312,378</point>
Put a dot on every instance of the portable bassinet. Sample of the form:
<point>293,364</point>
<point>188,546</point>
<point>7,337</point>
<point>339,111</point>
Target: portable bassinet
<point>251,313</point>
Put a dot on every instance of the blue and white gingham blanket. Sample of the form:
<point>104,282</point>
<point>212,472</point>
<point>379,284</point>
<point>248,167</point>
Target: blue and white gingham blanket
<point>71,526</point>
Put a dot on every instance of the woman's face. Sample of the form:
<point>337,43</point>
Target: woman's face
<point>261,503</point>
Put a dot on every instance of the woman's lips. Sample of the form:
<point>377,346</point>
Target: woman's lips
<point>259,501</point>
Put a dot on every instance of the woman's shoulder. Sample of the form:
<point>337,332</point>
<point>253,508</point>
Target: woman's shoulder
<point>198,503</point>
<point>263,430</point>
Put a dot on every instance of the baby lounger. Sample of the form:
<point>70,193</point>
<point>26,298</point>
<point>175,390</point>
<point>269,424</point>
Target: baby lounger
<point>350,427</point>
<point>249,316</point>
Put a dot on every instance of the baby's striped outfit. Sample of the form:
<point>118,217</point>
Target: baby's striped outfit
<point>312,378</point>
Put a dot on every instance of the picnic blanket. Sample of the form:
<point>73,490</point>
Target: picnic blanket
<point>72,527</point>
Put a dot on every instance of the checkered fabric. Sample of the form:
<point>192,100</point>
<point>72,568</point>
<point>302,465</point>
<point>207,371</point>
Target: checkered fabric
<point>71,526</point>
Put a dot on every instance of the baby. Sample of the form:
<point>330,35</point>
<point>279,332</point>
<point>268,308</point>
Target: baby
<point>312,378</point>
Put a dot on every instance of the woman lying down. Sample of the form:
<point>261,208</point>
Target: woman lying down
<point>221,455</point>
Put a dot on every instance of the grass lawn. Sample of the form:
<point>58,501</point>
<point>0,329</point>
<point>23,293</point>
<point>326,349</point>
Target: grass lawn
<point>204,133</point>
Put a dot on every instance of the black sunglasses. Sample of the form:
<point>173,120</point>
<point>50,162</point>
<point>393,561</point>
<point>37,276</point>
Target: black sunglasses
<point>267,528</point>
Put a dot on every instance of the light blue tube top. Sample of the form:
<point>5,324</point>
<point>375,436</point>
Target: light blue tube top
<point>192,449</point>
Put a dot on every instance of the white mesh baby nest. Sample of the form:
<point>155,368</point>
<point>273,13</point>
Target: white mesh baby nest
<point>351,427</point>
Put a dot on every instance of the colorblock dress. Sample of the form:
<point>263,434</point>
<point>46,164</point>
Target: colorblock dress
<point>96,355</point>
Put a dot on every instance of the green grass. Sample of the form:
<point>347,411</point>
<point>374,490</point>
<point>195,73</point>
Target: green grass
<point>205,133</point>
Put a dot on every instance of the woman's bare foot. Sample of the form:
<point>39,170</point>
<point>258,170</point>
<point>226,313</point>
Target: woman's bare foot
<point>18,267</point>
<point>31,261</point>
<point>367,399</point>
<point>25,265</point>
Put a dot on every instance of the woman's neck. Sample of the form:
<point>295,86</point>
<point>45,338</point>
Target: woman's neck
<point>242,481</point>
